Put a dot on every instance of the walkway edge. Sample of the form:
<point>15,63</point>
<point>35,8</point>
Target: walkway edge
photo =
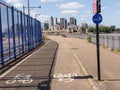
<point>91,81</point>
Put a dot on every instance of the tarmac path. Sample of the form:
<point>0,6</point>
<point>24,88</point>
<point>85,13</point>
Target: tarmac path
<point>86,53</point>
<point>66,64</point>
<point>32,73</point>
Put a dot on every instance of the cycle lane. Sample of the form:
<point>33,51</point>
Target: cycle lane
<point>68,74</point>
<point>32,72</point>
<point>86,53</point>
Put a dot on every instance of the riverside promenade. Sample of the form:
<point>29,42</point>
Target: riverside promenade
<point>33,72</point>
<point>51,67</point>
<point>63,64</point>
<point>85,55</point>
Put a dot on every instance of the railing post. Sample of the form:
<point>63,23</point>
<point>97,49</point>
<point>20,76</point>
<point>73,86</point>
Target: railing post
<point>28,31</point>
<point>22,32</point>
<point>1,41</point>
<point>14,45</point>
<point>8,33</point>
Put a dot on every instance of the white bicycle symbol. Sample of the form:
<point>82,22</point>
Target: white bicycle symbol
<point>25,79</point>
<point>66,77</point>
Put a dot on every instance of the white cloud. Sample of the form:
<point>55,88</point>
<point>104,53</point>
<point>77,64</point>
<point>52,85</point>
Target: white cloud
<point>71,5</point>
<point>103,8</point>
<point>69,12</point>
<point>49,0</point>
<point>18,5</point>
<point>44,18</point>
<point>85,16</point>
<point>12,1</point>
<point>15,3</point>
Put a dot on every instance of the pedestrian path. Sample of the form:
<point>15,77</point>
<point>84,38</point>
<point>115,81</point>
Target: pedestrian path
<point>109,63</point>
<point>67,73</point>
<point>33,72</point>
<point>49,68</point>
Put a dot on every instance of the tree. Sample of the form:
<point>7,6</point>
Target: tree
<point>83,29</point>
<point>92,29</point>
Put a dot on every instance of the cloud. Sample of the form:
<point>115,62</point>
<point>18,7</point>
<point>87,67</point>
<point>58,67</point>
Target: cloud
<point>15,3</point>
<point>49,1</point>
<point>44,18</point>
<point>69,12</point>
<point>85,17</point>
<point>12,1</point>
<point>18,5</point>
<point>71,5</point>
<point>103,8</point>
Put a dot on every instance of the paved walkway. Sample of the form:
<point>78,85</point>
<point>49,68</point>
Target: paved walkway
<point>71,66</point>
<point>66,66</point>
<point>85,54</point>
<point>44,70</point>
<point>33,72</point>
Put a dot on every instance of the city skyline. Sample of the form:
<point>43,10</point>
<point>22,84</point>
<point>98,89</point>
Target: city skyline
<point>80,9</point>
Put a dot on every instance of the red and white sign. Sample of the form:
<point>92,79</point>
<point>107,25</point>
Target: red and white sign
<point>95,7</point>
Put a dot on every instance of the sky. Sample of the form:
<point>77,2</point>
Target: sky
<point>82,10</point>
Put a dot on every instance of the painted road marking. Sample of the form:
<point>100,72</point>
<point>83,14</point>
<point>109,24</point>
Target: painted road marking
<point>91,81</point>
<point>22,78</point>
<point>65,77</point>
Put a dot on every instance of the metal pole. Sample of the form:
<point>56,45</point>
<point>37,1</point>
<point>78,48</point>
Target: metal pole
<point>28,25</point>
<point>1,40</point>
<point>98,51</point>
<point>23,9</point>
<point>28,8</point>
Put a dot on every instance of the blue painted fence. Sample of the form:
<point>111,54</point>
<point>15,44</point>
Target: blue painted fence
<point>19,33</point>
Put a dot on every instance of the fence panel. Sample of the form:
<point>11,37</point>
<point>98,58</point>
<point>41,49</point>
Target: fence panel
<point>19,33</point>
<point>110,41</point>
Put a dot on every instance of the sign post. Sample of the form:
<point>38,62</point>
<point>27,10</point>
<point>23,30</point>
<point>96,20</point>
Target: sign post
<point>97,19</point>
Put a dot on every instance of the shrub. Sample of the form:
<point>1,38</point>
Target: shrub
<point>89,39</point>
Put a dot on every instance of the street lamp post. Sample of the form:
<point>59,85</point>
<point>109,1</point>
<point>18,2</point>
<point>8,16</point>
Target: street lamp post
<point>28,8</point>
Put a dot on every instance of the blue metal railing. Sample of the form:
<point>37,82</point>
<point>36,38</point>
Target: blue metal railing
<point>19,33</point>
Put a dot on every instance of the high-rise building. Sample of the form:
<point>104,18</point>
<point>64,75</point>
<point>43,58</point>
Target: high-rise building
<point>66,23</point>
<point>73,21</point>
<point>51,21</point>
<point>63,23</point>
<point>85,25</point>
<point>56,22</point>
<point>46,25</point>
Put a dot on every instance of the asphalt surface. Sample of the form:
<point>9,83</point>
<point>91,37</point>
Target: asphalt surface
<point>58,68</point>
<point>32,73</point>
<point>66,66</point>
<point>86,53</point>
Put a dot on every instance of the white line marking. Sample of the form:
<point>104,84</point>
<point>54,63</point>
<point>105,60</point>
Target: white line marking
<point>90,80</point>
<point>65,77</point>
<point>5,73</point>
<point>21,78</point>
